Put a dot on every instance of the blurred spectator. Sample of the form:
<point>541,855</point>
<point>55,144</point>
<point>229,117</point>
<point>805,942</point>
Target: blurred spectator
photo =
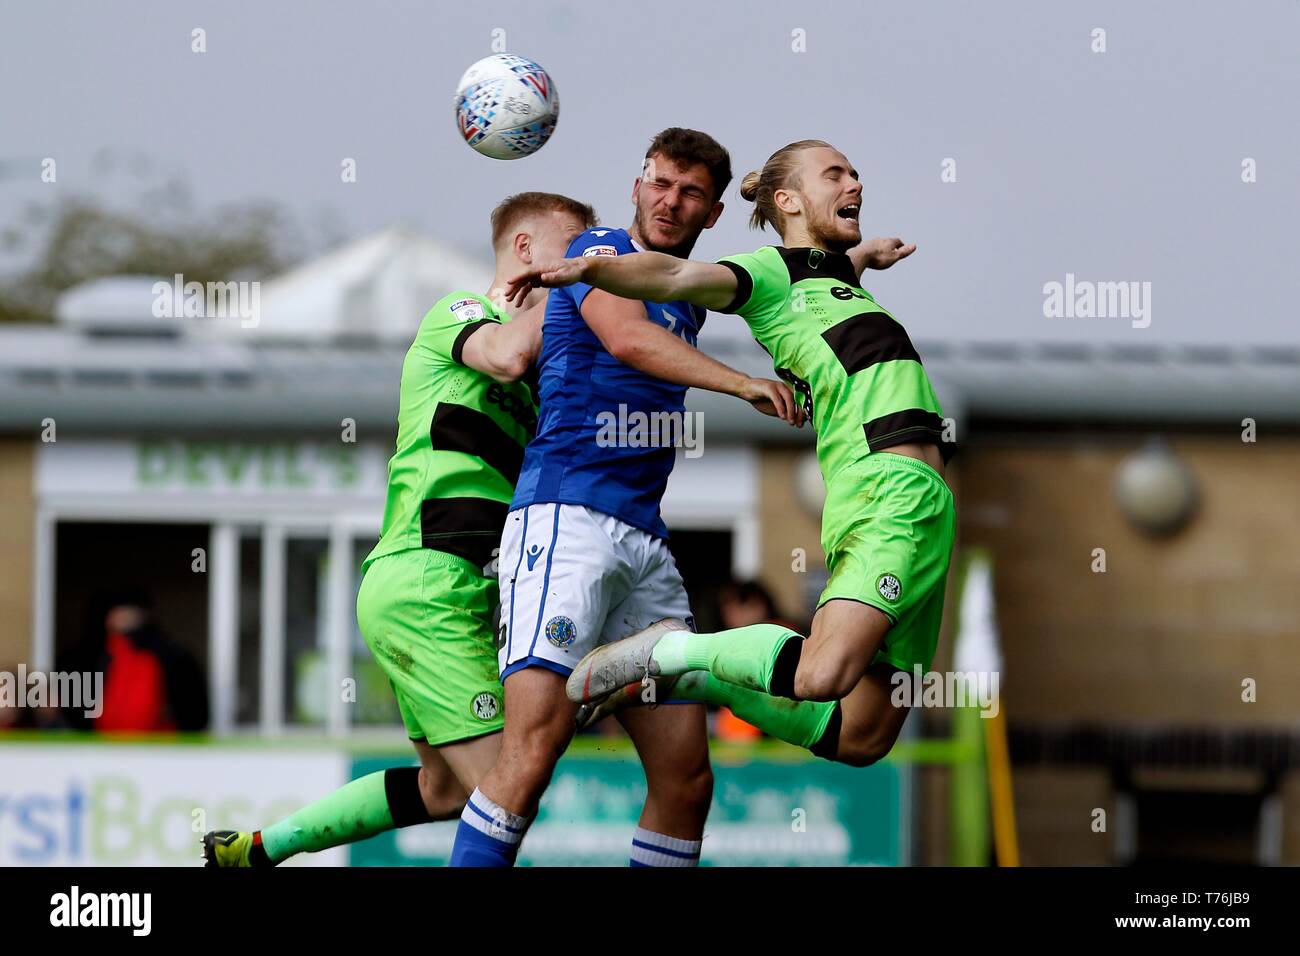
<point>151,682</point>
<point>741,603</point>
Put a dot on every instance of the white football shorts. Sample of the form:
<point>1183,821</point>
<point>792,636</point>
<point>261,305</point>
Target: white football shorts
<point>573,579</point>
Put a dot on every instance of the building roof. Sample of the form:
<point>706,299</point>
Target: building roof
<point>375,288</point>
<point>99,383</point>
<point>332,334</point>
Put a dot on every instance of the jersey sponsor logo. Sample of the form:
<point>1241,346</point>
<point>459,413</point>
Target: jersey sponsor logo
<point>599,251</point>
<point>561,631</point>
<point>533,554</point>
<point>889,587</point>
<point>467,310</point>
<point>844,293</point>
<point>485,706</point>
<point>513,405</point>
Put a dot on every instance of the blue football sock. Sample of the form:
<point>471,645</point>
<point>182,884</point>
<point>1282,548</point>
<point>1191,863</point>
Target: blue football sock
<point>488,834</point>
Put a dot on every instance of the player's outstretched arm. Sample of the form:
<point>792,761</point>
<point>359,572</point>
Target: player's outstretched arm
<point>505,350</point>
<point>879,253</point>
<point>663,278</point>
<point>622,327</point>
<point>639,275</point>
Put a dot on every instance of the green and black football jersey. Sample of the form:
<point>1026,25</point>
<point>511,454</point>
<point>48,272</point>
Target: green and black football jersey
<point>460,441</point>
<point>853,365</point>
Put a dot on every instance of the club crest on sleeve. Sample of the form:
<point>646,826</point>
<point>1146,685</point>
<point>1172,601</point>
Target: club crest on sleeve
<point>561,631</point>
<point>889,587</point>
<point>467,310</point>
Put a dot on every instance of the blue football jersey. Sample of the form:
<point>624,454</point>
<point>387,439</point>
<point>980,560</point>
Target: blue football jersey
<point>582,390</point>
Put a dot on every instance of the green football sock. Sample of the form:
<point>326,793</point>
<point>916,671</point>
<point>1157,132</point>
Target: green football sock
<point>367,806</point>
<point>798,722</point>
<point>742,655</point>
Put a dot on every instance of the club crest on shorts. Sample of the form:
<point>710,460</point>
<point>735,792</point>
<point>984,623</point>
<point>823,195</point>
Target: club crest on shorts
<point>485,706</point>
<point>561,631</point>
<point>889,587</point>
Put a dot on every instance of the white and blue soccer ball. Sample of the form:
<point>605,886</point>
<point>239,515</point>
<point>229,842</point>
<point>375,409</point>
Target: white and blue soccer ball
<point>506,106</point>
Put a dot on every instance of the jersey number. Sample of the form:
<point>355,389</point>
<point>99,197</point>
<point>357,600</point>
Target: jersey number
<point>672,321</point>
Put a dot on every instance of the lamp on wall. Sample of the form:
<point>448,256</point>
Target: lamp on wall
<point>1156,490</point>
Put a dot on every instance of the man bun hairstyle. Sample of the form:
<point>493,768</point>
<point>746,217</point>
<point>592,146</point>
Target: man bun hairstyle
<point>760,186</point>
<point>690,146</point>
<point>513,210</point>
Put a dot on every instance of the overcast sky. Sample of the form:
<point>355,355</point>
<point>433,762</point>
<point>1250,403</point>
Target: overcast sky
<point>1117,166</point>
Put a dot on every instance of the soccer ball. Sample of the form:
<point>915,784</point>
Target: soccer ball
<point>506,106</point>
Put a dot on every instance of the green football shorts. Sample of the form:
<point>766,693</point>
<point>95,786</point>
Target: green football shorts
<point>887,530</point>
<point>427,617</point>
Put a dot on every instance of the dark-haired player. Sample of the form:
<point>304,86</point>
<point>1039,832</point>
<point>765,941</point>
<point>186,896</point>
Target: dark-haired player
<point>584,558</point>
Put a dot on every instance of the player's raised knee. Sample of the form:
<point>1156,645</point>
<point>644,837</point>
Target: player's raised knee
<point>861,755</point>
<point>444,798</point>
<point>823,679</point>
<point>862,750</point>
